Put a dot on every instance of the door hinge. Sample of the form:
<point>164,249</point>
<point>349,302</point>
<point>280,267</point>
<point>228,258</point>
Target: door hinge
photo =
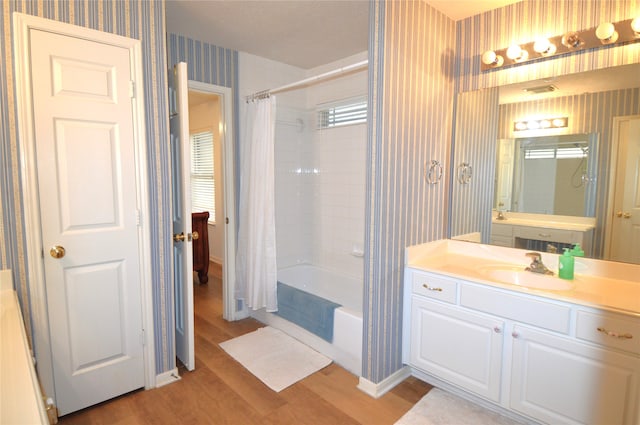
<point>132,89</point>
<point>143,339</point>
<point>226,220</point>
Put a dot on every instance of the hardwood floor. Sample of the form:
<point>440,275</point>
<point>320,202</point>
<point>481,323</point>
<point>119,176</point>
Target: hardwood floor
<point>221,391</point>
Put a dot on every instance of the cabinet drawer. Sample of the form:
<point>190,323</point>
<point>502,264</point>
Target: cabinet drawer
<point>521,308</point>
<point>501,230</point>
<point>546,234</point>
<point>433,286</point>
<point>609,330</point>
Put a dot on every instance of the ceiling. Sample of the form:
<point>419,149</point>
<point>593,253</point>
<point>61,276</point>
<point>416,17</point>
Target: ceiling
<point>302,33</point>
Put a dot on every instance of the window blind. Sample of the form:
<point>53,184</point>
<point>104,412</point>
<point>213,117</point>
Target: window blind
<point>353,112</point>
<point>203,188</point>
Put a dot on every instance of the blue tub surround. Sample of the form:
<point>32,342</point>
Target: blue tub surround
<point>306,310</point>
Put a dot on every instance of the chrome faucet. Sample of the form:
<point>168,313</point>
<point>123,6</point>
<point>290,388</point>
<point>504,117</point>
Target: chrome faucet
<point>536,265</point>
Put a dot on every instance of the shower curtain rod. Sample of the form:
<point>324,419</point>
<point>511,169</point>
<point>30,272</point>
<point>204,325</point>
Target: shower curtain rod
<point>316,78</point>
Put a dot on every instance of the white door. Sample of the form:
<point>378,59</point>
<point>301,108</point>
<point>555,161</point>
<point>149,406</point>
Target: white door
<point>625,235</point>
<point>505,174</point>
<point>84,140</point>
<point>181,195</point>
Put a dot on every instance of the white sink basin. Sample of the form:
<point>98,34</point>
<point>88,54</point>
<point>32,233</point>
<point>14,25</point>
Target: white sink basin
<point>518,276</point>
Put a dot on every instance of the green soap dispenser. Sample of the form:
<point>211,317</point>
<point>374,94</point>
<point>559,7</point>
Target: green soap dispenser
<point>577,251</point>
<point>565,265</point>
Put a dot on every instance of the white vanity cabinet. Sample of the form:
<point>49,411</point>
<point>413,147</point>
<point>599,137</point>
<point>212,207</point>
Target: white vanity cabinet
<point>559,380</point>
<point>462,347</point>
<point>546,360</point>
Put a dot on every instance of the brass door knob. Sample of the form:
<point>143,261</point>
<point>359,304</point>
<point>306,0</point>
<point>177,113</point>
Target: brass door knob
<point>178,237</point>
<point>196,236</point>
<point>57,251</point>
<point>626,215</point>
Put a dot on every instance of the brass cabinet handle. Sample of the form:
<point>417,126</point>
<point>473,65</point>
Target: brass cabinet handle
<point>57,251</point>
<point>615,334</point>
<point>431,288</point>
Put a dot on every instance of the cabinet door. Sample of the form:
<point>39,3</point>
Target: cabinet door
<point>457,346</point>
<point>557,380</point>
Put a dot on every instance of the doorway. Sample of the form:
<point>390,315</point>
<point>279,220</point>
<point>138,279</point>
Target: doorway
<point>222,234</point>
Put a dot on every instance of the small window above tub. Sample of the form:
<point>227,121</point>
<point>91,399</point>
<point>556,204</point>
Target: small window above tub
<point>352,111</point>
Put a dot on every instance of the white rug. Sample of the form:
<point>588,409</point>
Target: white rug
<point>441,408</point>
<point>274,357</point>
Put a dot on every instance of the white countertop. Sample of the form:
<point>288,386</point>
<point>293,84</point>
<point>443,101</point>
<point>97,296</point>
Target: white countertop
<point>600,284</point>
<point>580,224</point>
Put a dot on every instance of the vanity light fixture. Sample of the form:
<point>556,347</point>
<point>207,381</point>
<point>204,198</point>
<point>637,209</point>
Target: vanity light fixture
<point>606,33</point>
<point>541,124</point>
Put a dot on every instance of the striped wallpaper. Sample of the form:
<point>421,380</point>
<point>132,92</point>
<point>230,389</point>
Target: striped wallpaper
<point>476,130</point>
<point>142,20</point>
<point>411,96</point>
<point>588,113</point>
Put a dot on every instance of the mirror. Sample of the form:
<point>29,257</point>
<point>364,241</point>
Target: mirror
<point>485,119</point>
<point>547,175</point>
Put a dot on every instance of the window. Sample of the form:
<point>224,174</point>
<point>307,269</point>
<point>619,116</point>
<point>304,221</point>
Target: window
<point>350,112</point>
<point>559,153</point>
<point>203,187</point>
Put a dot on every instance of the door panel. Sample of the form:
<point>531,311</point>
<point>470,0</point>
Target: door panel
<point>625,239</point>
<point>181,195</point>
<point>84,139</point>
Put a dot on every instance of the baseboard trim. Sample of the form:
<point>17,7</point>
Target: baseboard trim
<point>167,377</point>
<point>382,387</point>
<point>216,260</point>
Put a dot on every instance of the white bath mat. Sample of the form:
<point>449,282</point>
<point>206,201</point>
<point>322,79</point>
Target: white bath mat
<point>442,408</point>
<point>274,357</point>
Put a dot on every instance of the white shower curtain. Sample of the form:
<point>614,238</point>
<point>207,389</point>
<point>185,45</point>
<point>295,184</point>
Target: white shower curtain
<point>256,270</point>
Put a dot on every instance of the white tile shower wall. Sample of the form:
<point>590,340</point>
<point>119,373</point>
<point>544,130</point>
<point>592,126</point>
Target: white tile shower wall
<point>293,172</point>
<point>338,198</point>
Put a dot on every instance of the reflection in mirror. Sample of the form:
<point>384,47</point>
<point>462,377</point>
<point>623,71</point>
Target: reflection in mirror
<point>592,101</point>
<point>547,175</point>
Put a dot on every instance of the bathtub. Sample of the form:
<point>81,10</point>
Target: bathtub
<point>346,348</point>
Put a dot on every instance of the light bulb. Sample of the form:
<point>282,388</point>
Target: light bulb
<point>635,26</point>
<point>606,33</point>
<point>491,58</point>
<point>544,47</point>
<point>515,53</point>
